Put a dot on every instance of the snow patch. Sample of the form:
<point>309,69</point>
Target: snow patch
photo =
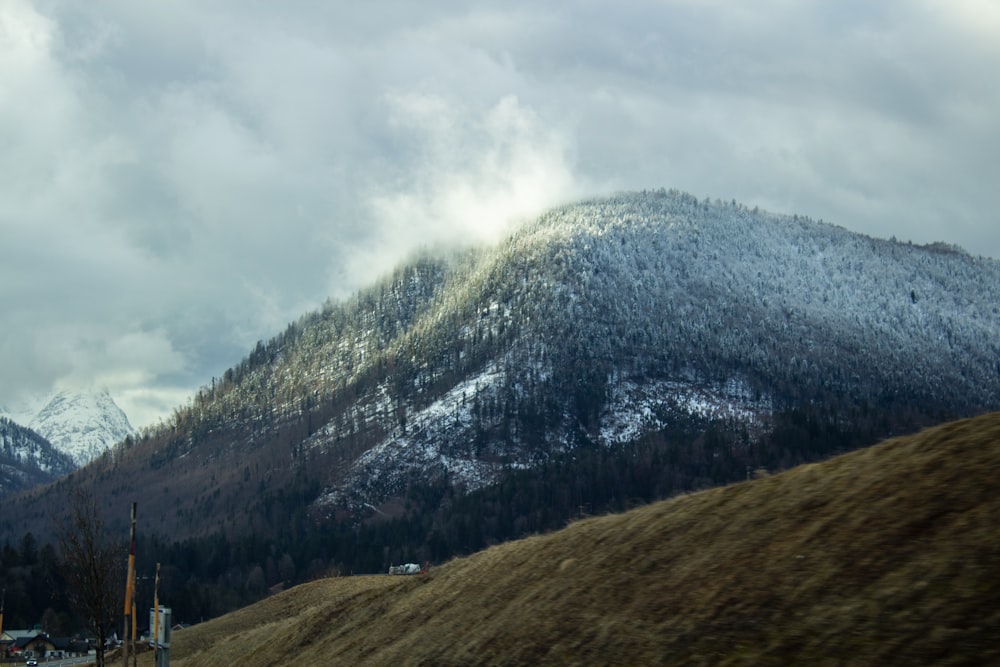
<point>425,448</point>
<point>635,409</point>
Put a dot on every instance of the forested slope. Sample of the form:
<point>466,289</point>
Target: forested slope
<point>27,458</point>
<point>606,354</point>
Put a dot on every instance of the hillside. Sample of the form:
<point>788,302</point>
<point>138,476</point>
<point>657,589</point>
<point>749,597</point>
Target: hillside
<point>593,323</point>
<point>606,354</point>
<point>887,555</point>
<point>27,459</point>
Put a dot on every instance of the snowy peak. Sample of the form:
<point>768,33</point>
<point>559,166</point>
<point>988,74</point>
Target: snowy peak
<point>82,425</point>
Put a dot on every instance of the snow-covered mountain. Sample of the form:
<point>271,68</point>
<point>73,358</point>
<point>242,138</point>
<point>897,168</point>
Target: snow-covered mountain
<point>596,325</point>
<point>80,424</point>
<point>27,459</point>
<point>604,320</point>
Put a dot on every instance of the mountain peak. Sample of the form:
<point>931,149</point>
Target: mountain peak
<point>82,424</point>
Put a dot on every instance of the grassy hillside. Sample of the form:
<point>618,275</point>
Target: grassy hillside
<point>890,555</point>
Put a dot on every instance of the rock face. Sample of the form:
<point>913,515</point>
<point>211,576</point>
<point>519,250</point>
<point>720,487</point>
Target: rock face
<point>82,425</point>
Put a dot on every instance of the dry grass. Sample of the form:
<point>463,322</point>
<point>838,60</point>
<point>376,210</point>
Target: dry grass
<point>889,555</point>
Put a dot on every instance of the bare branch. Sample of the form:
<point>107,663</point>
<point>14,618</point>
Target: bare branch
<point>94,567</point>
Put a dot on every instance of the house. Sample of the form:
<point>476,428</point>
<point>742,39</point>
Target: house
<point>10,638</point>
<point>38,644</point>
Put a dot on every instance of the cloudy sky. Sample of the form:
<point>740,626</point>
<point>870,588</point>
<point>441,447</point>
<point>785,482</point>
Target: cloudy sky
<point>180,179</point>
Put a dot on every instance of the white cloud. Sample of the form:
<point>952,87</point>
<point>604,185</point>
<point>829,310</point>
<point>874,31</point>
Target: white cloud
<point>476,174</point>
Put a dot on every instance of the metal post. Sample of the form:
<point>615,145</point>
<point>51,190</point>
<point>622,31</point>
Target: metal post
<point>161,633</point>
<point>156,617</point>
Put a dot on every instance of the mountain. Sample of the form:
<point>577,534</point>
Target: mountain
<point>712,338</point>
<point>65,430</point>
<point>82,424</point>
<point>882,556</point>
<point>27,459</point>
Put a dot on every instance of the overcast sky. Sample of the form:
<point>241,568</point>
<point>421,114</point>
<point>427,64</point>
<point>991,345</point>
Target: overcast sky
<point>180,179</point>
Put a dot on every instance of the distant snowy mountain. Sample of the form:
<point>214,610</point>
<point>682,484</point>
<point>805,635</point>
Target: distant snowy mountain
<point>82,425</point>
<point>27,459</point>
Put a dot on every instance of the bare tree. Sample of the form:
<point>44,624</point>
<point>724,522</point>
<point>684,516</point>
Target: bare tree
<point>94,565</point>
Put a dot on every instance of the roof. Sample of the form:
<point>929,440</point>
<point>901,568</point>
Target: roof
<point>26,641</point>
<point>71,644</point>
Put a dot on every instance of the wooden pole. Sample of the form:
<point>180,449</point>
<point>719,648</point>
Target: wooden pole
<point>156,618</point>
<point>135,654</point>
<point>129,584</point>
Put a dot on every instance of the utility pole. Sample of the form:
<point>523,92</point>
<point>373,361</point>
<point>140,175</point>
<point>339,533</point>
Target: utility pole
<point>129,586</point>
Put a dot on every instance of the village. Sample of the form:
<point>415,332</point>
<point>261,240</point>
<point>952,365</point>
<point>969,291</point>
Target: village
<point>35,646</point>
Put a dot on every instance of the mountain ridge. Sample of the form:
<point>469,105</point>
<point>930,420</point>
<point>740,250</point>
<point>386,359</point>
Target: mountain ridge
<point>625,314</point>
<point>887,329</point>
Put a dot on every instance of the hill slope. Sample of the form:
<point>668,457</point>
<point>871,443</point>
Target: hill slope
<point>595,325</point>
<point>887,555</point>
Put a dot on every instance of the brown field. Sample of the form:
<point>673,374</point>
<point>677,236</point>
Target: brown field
<point>886,556</point>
